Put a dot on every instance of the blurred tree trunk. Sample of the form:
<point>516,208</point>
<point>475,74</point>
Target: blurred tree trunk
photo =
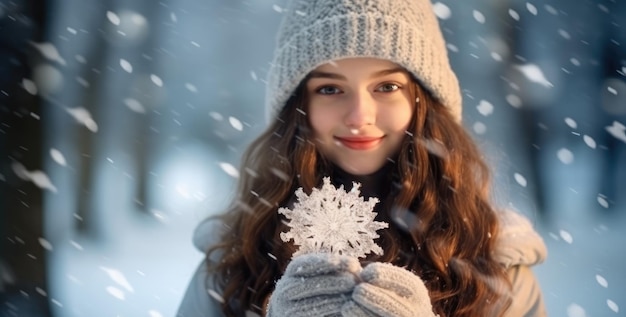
<point>23,286</point>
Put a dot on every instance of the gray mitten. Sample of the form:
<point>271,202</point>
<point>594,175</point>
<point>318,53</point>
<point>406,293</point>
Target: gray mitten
<point>314,285</point>
<point>389,291</point>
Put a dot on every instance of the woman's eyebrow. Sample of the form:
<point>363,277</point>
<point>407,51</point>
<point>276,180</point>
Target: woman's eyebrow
<point>320,74</point>
<point>384,72</point>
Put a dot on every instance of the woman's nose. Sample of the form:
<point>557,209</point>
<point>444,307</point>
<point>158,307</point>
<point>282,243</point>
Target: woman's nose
<point>361,111</point>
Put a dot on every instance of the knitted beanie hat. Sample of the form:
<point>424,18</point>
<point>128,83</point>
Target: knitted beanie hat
<point>406,32</point>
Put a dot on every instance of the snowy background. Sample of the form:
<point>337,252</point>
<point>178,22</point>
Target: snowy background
<point>145,107</point>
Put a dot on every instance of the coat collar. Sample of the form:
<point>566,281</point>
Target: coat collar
<point>518,243</point>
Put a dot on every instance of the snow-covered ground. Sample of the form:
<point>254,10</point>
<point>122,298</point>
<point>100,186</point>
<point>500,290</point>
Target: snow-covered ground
<point>143,275</point>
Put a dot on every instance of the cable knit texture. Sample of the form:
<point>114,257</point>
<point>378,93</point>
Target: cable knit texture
<point>314,285</point>
<point>388,290</point>
<point>315,32</point>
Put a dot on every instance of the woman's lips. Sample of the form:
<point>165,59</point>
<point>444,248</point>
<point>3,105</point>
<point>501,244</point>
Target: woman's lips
<point>359,143</point>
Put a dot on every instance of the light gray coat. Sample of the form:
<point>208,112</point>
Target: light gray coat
<point>519,247</point>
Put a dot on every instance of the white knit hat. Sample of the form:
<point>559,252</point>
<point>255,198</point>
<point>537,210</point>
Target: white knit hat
<point>406,32</point>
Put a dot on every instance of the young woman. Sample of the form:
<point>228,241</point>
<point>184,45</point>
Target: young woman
<point>362,91</point>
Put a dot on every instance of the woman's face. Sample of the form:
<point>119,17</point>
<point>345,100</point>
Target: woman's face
<point>359,110</point>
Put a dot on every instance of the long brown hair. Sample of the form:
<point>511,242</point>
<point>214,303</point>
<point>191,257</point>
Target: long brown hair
<point>442,226</point>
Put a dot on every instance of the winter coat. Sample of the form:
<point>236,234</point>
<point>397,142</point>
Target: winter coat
<point>518,248</point>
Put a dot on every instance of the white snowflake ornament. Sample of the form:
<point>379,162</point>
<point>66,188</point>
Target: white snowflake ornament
<point>332,220</point>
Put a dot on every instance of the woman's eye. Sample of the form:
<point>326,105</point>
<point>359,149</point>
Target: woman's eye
<point>328,90</point>
<point>388,87</point>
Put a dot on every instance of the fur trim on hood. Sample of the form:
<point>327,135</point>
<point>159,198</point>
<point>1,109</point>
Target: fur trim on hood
<point>518,243</point>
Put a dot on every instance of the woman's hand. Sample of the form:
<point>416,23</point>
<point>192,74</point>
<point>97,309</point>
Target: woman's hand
<point>389,291</point>
<point>314,285</point>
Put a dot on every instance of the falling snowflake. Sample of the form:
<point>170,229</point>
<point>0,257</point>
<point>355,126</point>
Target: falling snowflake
<point>334,221</point>
<point>535,74</point>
